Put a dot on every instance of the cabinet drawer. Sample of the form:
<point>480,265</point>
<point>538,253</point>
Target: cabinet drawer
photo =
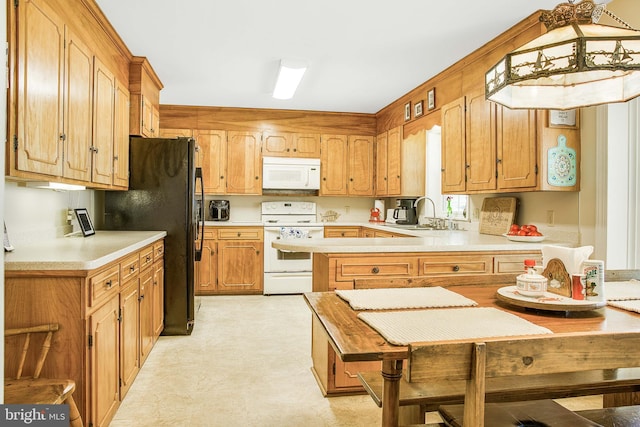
<point>341,232</point>
<point>129,267</point>
<point>104,284</point>
<point>513,263</point>
<point>240,234</point>
<point>210,234</point>
<point>146,257</point>
<point>349,269</point>
<point>456,265</point>
<point>158,251</point>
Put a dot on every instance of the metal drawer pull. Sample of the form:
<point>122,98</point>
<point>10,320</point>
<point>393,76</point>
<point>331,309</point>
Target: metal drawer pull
<point>375,270</point>
<point>108,283</point>
<point>456,268</point>
<point>132,268</point>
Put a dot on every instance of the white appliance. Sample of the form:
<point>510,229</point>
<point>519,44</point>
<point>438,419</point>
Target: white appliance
<point>283,173</point>
<point>288,272</point>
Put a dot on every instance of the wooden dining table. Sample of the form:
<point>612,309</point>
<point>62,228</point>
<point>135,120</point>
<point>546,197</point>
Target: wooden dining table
<point>355,341</point>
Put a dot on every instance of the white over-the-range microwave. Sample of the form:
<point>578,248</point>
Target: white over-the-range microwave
<point>285,173</point>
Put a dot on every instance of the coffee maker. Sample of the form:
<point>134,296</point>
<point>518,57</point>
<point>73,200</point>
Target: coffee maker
<point>405,212</point>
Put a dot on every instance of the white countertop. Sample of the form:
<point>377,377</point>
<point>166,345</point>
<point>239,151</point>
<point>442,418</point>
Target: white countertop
<point>77,252</point>
<point>428,241</point>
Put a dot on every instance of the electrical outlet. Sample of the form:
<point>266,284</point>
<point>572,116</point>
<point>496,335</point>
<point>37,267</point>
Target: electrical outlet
<point>70,215</point>
<point>551,218</point>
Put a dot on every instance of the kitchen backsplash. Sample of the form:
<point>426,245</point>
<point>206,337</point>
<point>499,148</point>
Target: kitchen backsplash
<point>36,214</point>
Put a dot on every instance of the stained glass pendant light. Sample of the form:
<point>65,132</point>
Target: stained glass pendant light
<point>576,63</point>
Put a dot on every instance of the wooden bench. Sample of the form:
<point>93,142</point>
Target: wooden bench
<point>526,357</point>
<point>417,398</point>
<point>501,415</point>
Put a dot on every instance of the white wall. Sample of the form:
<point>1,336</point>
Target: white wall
<point>33,214</point>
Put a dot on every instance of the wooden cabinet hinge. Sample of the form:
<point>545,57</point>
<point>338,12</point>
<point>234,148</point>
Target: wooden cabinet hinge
<point>15,142</point>
<point>16,3</point>
<point>90,341</point>
<point>333,368</point>
<point>536,169</point>
<point>120,315</point>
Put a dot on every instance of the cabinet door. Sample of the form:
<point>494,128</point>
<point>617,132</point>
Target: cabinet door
<point>480,143</point>
<point>158,299</point>
<point>381,178</point>
<point>453,147</point>
<point>516,146</point>
<point>104,372</point>
<point>394,165</point>
<point>244,168</point>
<point>39,88</point>
<point>103,117</point>
<point>360,166</point>
<point>306,145</point>
<point>277,144</point>
<point>129,335</point>
<point>121,137</point>
<point>211,147</point>
<point>147,116</point>
<point>333,165</point>
<point>146,314</point>
<point>240,266</point>
<point>208,269</point>
<point>78,109</point>
<point>155,122</point>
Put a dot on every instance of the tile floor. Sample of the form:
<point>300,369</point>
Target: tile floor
<point>246,364</point>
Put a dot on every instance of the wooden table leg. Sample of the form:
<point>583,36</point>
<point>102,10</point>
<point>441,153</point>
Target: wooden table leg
<point>391,375</point>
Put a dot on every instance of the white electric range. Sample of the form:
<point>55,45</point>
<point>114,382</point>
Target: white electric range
<point>288,272</point>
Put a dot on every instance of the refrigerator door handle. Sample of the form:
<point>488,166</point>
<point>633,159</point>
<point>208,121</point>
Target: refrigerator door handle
<point>200,229</point>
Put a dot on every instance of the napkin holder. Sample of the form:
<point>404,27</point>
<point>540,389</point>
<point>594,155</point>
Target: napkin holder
<point>559,279</point>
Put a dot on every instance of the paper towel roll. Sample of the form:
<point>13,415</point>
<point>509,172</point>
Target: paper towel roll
<point>379,204</point>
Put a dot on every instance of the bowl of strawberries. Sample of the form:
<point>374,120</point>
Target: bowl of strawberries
<point>524,233</point>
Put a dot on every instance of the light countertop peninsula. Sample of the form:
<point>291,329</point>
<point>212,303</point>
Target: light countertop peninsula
<point>77,252</point>
<point>427,241</point>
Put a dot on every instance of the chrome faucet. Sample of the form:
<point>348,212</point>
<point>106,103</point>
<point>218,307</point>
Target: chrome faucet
<point>415,204</point>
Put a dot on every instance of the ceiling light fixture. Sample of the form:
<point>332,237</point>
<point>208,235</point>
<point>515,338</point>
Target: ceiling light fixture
<point>289,77</point>
<point>577,63</point>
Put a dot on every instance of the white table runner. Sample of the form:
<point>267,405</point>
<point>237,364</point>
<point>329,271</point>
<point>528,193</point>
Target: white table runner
<point>630,305</point>
<point>404,327</point>
<point>620,291</point>
<point>403,298</point>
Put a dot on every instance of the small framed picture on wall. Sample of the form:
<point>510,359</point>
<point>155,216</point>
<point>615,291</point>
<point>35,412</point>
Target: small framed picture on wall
<point>417,109</point>
<point>407,111</point>
<point>431,99</point>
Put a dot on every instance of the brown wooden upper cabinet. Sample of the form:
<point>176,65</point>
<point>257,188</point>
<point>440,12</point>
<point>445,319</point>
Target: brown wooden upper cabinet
<point>388,163</point>
<point>346,165</point>
<point>490,148</point>
<point>291,144</point>
<point>243,163</point>
<point>64,87</point>
<point>145,87</point>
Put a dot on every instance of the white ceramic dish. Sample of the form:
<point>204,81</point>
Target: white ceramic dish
<point>531,239</point>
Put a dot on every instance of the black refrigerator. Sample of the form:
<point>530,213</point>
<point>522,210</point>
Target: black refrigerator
<point>165,193</point>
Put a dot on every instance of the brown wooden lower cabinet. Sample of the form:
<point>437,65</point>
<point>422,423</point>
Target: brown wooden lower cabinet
<point>232,261</point>
<point>344,271</point>
<point>109,320</point>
